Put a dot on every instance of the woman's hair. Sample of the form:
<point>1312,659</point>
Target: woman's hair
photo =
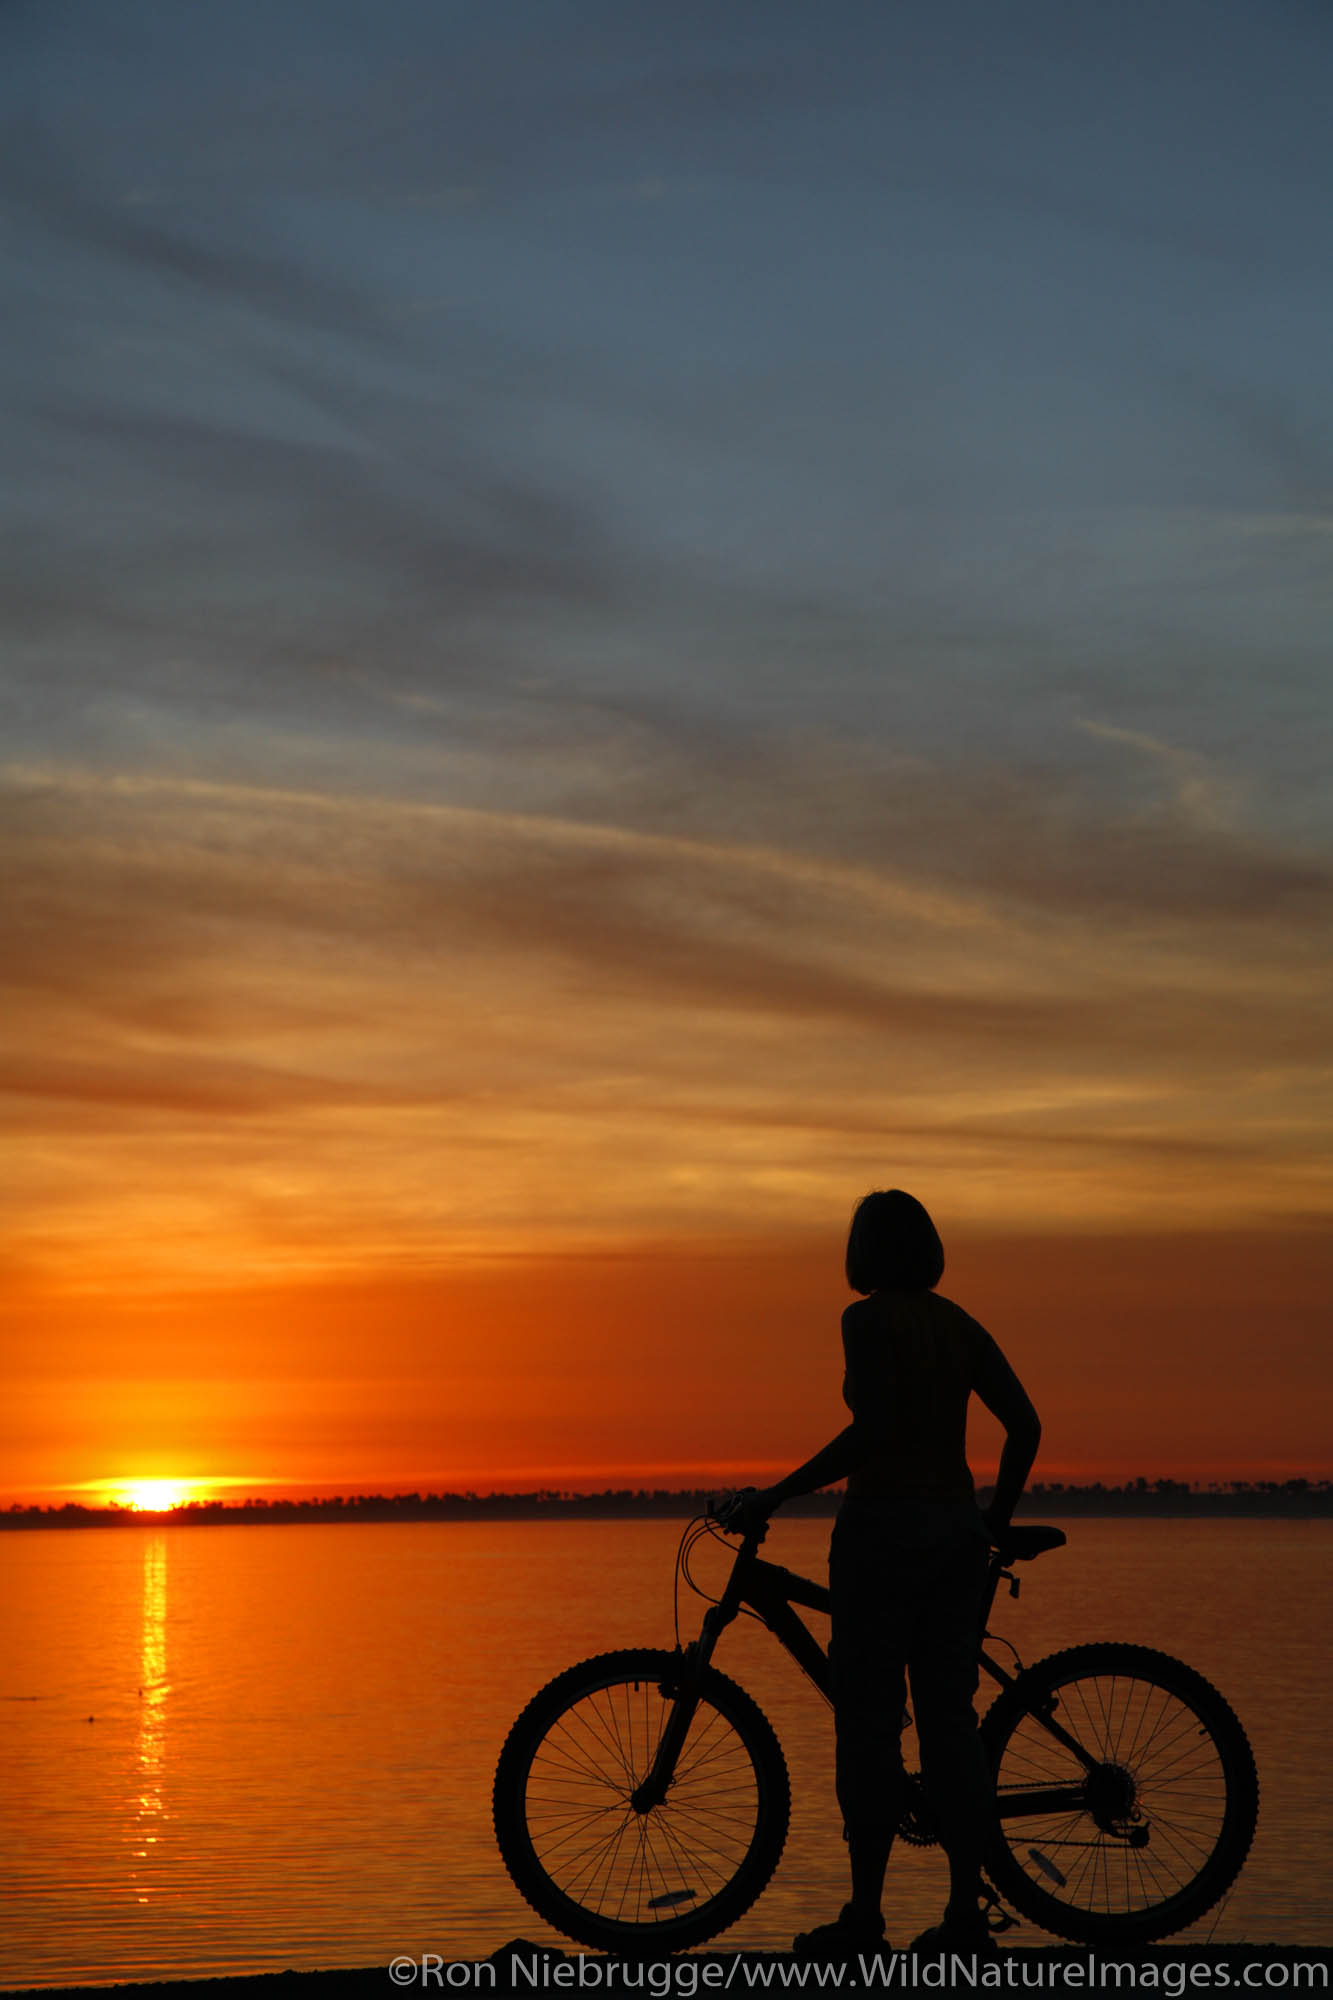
<point>892,1245</point>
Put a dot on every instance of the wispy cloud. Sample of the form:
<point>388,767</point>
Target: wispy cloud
<point>286,1006</point>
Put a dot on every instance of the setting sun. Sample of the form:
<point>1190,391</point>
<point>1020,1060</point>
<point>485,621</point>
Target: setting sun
<point>152,1496</point>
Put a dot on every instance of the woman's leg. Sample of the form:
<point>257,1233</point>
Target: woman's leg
<point>944,1682</point>
<point>870,1794</point>
<point>867,1662</point>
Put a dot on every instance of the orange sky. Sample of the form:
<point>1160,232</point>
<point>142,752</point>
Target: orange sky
<point>659,1365</point>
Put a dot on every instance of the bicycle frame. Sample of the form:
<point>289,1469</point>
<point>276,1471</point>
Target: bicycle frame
<point>770,1591</point>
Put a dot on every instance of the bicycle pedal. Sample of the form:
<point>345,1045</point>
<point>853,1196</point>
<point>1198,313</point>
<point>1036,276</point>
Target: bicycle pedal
<point>998,1919</point>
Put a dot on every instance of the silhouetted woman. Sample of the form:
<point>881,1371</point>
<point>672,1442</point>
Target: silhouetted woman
<point>907,1562</point>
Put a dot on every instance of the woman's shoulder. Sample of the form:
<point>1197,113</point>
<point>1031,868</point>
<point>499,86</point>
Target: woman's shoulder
<point>881,1308</point>
<point>886,1310</point>
<point>950,1313</point>
<point>862,1327</point>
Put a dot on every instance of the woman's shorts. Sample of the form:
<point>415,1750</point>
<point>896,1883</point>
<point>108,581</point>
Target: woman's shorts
<point>906,1582</point>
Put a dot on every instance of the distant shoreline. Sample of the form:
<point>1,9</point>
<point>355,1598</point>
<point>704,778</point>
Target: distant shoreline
<point>1290,1500</point>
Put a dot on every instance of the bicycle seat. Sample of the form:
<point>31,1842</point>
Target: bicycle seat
<point>1021,1544</point>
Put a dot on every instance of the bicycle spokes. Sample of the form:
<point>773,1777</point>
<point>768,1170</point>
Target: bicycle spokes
<point>1128,1824</point>
<point>613,1859</point>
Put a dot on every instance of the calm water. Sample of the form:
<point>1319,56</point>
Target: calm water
<point>295,1728</point>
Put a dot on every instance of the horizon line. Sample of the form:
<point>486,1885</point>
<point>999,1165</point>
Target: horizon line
<point>1139,1487</point>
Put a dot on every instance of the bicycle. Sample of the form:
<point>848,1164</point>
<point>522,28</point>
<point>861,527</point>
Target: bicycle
<point>641,1800</point>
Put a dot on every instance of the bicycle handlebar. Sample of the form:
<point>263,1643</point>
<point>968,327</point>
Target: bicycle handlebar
<point>722,1505</point>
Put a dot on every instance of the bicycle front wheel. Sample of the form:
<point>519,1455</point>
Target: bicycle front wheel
<point>1126,1794</point>
<point>623,1880</point>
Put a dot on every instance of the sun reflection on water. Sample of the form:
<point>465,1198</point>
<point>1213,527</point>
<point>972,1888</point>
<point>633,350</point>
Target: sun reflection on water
<point>150,1812</point>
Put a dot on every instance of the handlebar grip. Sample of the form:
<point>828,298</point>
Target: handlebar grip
<point>721,1506</point>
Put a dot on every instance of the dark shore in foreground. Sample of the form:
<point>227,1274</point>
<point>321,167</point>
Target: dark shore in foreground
<point>521,1967</point>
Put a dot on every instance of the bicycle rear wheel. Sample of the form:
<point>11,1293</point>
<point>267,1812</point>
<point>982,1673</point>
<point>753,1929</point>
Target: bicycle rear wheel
<point>626,1881</point>
<point>1140,1834</point>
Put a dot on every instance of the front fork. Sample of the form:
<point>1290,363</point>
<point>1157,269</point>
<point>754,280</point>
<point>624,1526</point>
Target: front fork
<point>686,1685</point>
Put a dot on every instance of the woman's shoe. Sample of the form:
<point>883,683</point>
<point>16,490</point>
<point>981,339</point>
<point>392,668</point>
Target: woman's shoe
<point>969,1936</point>
<point>844,1939</point>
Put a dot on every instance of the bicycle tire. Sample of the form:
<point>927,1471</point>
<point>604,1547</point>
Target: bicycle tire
<point>575,1847</point>
<point>1166,1819</point>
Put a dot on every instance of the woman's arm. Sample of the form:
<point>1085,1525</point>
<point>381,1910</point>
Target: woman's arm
<point>834,1461</point>
<point>1006,1399</point>
<point>845,1453</point>
<point>841,1455</point>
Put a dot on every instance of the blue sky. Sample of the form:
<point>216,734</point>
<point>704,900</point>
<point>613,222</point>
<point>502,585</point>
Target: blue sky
<point>735,596</point>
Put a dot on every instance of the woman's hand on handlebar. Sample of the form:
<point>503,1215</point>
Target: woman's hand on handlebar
<point>746,1512</point>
